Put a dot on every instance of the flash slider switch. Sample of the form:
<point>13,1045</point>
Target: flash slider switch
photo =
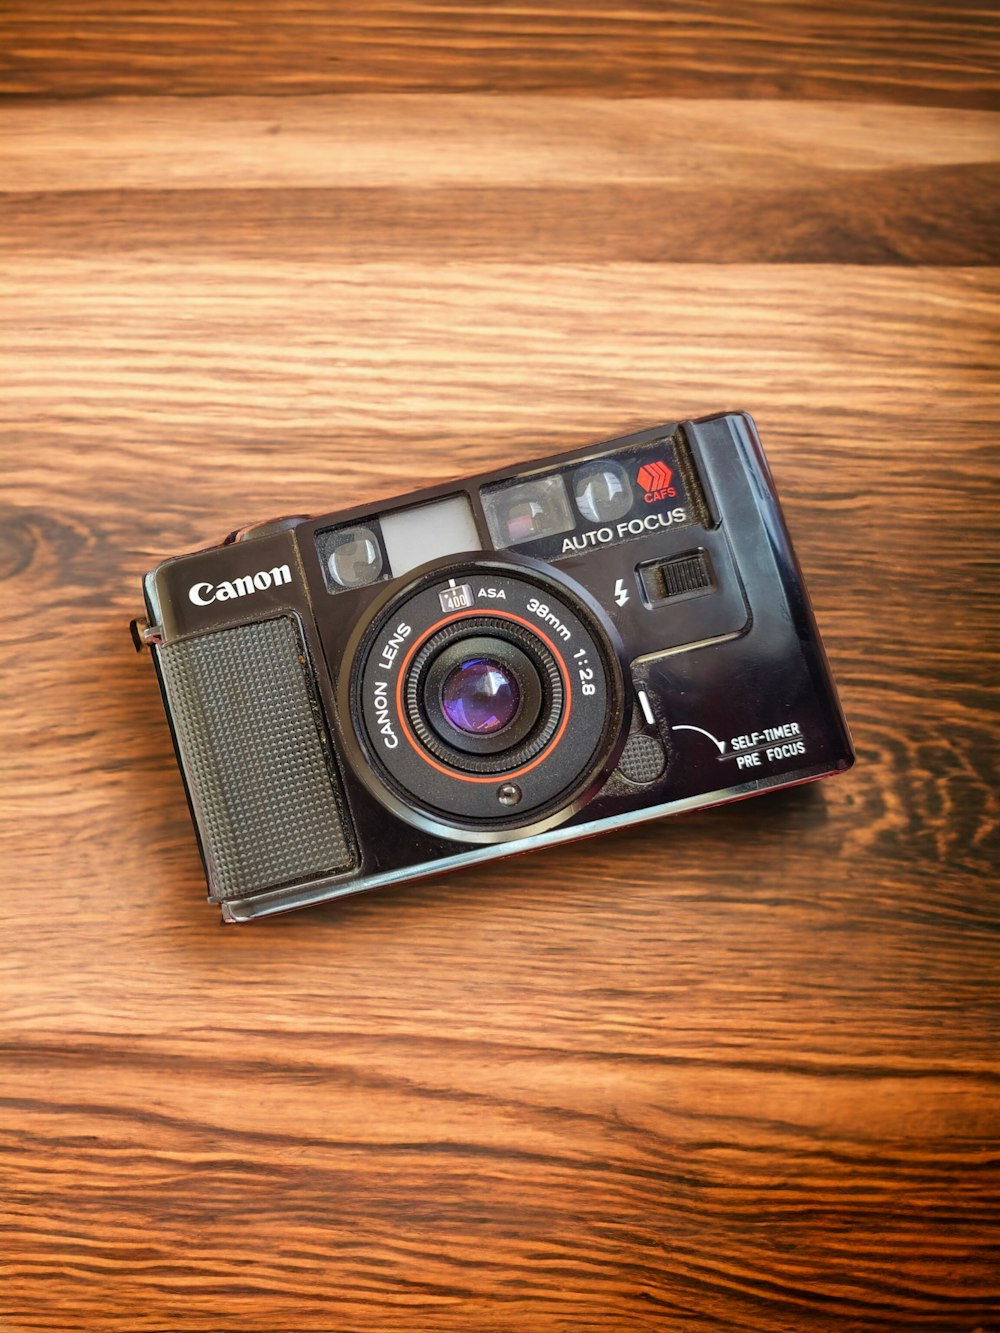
<point>680,577</point>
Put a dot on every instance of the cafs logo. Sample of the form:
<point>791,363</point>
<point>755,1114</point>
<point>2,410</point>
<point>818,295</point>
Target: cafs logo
<point>656,480</point>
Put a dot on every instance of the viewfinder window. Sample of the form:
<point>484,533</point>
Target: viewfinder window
<point>353,557</point>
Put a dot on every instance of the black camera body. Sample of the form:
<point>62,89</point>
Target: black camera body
<point>532,655</point>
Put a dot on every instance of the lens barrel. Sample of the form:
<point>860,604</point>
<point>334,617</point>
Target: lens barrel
<point>489,720</point>
<point>520,656</point>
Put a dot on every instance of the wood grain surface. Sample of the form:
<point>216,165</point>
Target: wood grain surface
<point>732,1071</point>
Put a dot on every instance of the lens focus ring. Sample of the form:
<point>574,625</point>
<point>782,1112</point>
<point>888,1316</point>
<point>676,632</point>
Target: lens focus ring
<point>519,654</point>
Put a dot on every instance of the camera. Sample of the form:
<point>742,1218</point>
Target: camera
<point>543,652</point>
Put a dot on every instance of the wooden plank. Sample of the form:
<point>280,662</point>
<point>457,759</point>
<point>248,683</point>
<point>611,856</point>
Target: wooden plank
<point>942,216</point>
<point>487,1205</point>
<point>354,353</point>
<point>431,142</point>
<point>886,51</point>
<point>514,178</point>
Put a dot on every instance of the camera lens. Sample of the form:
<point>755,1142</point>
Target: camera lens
<point>487,696</point>
<point>479,690</point>
<point>480,696</point>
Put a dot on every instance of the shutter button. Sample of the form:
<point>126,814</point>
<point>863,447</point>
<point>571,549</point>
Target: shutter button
<point>269,527</point>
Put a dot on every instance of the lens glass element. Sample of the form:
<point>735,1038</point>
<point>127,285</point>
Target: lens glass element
<point>480,696</point>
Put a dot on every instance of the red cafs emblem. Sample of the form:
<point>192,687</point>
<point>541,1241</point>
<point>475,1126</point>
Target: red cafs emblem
<point>655,478</point>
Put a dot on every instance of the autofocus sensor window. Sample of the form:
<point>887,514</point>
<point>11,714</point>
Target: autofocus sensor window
<point>602,491</point>
<point>528,511</point>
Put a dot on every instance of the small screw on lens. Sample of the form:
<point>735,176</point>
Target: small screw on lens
<point>509,793</point>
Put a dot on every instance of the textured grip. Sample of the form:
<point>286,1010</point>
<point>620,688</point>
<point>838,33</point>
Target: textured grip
<point>259,772</point>
<point>642,760</point>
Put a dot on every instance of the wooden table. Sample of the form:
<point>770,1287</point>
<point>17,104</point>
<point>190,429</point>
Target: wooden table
<point>734,1071</point>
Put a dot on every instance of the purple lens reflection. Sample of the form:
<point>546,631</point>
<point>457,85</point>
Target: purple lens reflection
<point>480,697</point>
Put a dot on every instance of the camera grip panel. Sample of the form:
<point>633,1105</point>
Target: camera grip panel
<point>257,764</point>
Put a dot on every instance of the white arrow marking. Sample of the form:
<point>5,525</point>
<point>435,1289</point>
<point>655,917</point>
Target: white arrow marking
<point>720,744</point>
<point>621,592</point>
<point>647,707</point>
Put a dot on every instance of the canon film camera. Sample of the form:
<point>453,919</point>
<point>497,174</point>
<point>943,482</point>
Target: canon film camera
<point>532,655</point>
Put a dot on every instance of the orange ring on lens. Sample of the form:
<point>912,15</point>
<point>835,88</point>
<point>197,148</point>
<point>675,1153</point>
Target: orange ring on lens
<point>492,777</point>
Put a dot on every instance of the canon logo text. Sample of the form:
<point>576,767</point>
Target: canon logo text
<point>204,594</point>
